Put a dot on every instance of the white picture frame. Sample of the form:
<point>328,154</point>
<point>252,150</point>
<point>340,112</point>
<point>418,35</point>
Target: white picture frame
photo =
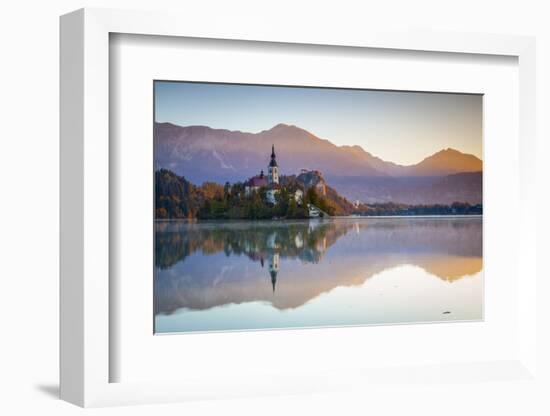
<point>85,353</point>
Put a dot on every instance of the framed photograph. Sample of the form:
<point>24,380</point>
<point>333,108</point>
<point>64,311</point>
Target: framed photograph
<point>304,206</point>
<point>263,228</point>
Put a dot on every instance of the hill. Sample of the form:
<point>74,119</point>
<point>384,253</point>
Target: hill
<point>200,153</point>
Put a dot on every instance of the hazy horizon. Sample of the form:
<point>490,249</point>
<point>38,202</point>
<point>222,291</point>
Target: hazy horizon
<point>401,127</point>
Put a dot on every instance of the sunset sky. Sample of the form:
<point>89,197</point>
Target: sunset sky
<point>402,127</point>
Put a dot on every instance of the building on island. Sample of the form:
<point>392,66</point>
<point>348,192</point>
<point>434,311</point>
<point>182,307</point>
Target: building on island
<point>255,183</point>
<point>272,190</point>
<point>273,169</point>
<point>313,211</point>
<point>270,182</point>
<point>298,195</point>
<point>273,187</point>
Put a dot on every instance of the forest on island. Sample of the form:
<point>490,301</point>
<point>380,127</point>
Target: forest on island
<point>177,198</point>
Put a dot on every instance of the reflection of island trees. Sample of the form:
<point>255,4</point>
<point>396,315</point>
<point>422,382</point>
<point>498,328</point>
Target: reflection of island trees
<point>329,254</point>
<point>299,240</point>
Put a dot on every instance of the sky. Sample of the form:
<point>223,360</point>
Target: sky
<point>401,127</point>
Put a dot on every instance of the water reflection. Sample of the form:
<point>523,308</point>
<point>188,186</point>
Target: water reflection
<point>306,240</point>
<point>286,265</point>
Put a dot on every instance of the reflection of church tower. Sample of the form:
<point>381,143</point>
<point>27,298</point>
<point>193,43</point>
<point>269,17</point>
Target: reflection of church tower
<point>273,169</point>
<point>273,268</point>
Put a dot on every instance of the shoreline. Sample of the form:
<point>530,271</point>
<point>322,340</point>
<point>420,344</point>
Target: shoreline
<point>411,216</point>
<point>344,217</point>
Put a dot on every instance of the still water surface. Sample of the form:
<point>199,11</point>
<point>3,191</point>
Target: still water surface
<point>213,276</point>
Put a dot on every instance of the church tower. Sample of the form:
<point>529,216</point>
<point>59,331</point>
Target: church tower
<point>274,269</point>
<point>273,169</point>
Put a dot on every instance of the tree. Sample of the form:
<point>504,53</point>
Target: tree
<point>161,213</point>
<point>311,196</point>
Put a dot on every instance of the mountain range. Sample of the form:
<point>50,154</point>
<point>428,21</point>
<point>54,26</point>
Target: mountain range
<point>201,153</point>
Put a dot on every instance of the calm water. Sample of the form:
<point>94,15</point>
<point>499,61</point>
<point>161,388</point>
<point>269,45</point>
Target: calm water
<point>281,274</point>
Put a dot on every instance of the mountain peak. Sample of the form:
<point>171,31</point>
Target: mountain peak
<point>290,131</point>
<point>449,150</point>
<point>202,153</point>
<point>449,161</point>
<point>281,126</point>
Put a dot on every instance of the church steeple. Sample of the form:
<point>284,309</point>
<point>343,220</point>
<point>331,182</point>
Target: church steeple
<point>273,275</point>
<point>273,269</point>
<point>273,168</point>
<point>273,159</point>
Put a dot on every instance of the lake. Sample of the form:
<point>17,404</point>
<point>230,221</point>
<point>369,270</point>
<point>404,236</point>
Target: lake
<point>244,275</point>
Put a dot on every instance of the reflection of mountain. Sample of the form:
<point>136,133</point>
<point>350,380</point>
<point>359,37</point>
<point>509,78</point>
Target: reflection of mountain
<point>204,265</point>
<point>449,268</point>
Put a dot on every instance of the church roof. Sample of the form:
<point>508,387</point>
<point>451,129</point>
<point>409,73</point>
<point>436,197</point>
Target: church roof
<point>257,181</point>
<point>273,162</point>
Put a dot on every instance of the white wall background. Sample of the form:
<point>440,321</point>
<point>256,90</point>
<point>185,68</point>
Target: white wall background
<point>29,204</point>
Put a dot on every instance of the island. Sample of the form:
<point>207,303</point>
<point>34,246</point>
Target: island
<point>276,196</point>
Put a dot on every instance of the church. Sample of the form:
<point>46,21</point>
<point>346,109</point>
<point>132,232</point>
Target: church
<point>271,182</point>
<point>273,186</point>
